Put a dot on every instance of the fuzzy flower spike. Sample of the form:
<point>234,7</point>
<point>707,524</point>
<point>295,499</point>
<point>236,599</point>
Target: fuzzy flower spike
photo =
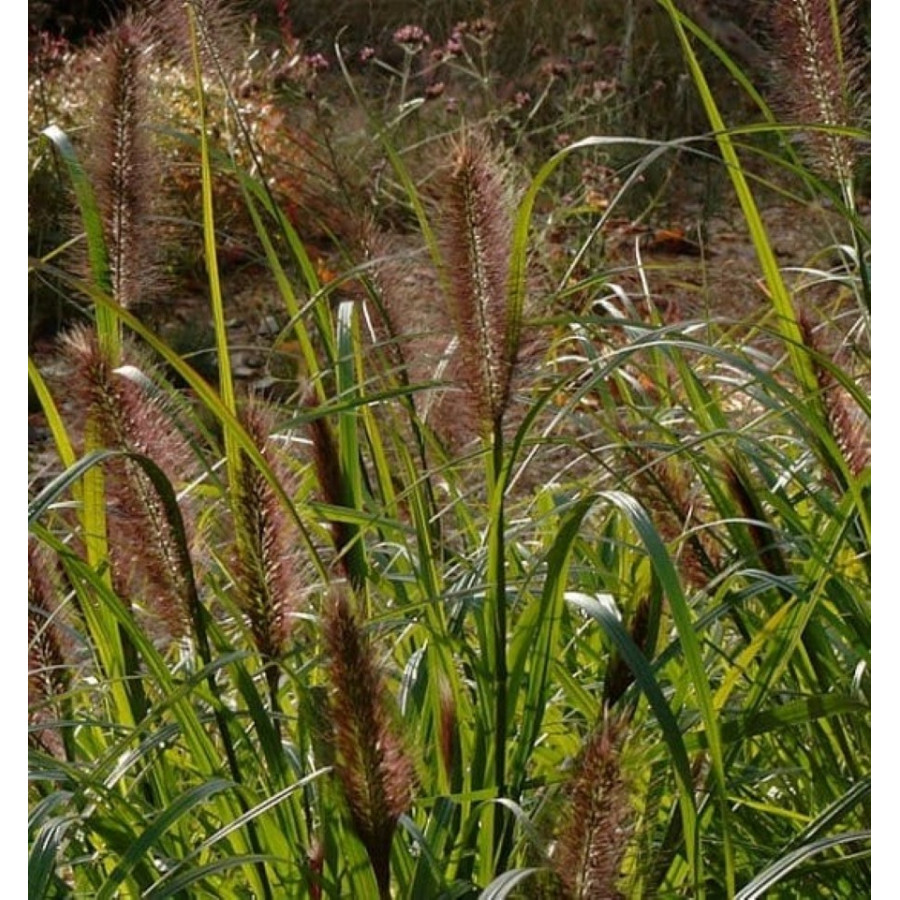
<point>823,76</point>
<point>477,251</point>
<point>371,763</point>
<point>122,161</point>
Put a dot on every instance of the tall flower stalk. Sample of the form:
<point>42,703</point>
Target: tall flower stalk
<point>849,427</point>
<point>114,205</point>
<point>477,242</point>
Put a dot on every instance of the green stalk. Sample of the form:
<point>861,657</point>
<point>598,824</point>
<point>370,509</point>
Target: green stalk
<point>348,382</point>
<point>496,598</point>
<point>226,384</point>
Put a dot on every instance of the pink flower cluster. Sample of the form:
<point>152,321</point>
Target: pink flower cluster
<point>412,38</point>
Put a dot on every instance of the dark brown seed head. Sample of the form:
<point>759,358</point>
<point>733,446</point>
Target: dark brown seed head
<point>372,765</point>
<point>597,826</point>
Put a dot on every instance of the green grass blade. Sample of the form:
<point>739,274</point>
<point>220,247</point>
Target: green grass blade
<point>534,646</point>
<point>177,886</point>
<point>858,794</point>
<point>251,189</point>
<point>107,326</point>
<point>503,885</point>
<point>782,868</point>
<point>161,824</point>
<point>790,715</point>
<point>66,480</point>
<point>696,667</point>
<point>51,412</point>
<point>349,389</point>
<point>42,857</point>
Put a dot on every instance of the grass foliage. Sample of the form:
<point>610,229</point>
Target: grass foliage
<point>509,585</point>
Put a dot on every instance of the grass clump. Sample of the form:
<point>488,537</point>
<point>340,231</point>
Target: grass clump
<point>538,575</point>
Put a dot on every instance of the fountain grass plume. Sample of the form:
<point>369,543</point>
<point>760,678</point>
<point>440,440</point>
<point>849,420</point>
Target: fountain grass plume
<point>127,413</point>
<point>332,488</point>
<point>266,570</point>
<point>48,668</point>
<point>373,767</point>
<point>597,824</point>
<point>822,77</point>
<point>122,162</point>
<point>211,26</point>
<point>848,427</point>
<point>477,244</point>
